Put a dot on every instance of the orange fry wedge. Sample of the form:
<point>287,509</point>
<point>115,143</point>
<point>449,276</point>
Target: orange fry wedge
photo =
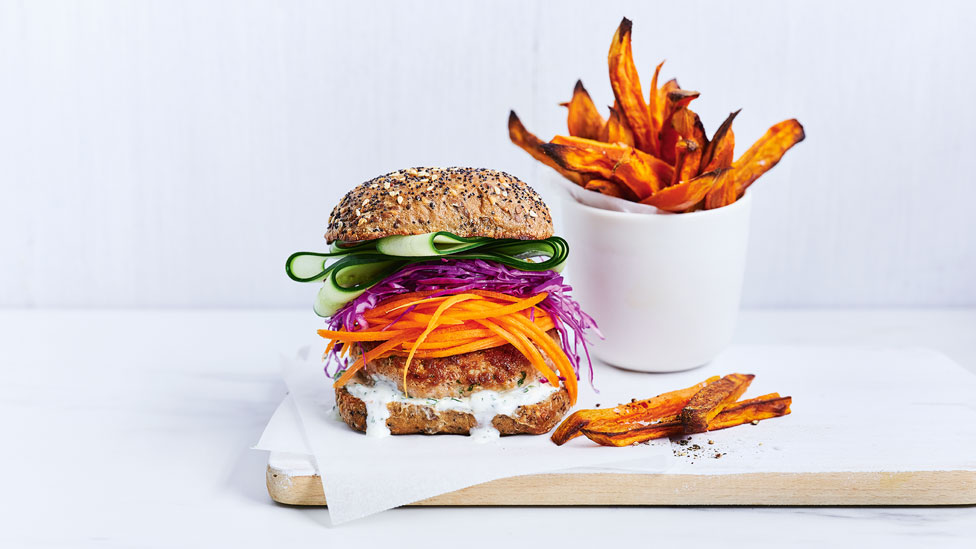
<point>740,413</point>
<point>610,188</point>
<point>664,427</point>
<point>688,194</point>
<point>661,105</point>
<point>653,112</point>
<point>662,405</point>
<point>616,130</point>
<point>754,409</point>
<point>710,401</point>
<point>532,145</point>
<point>583,119</point>
<point>718,153</point>
<point>627,89</point>
<point>688,126</point>
<point>723,193</point>
<point>641,172</point>
<point>766,153</point>
<point>683,150</point>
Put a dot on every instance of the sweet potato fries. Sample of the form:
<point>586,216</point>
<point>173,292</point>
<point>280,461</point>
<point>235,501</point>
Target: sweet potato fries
<point>656,151</point>
<point>707,406</point>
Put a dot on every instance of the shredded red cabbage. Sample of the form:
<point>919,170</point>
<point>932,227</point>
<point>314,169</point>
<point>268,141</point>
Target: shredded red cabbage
<point>451,276</point>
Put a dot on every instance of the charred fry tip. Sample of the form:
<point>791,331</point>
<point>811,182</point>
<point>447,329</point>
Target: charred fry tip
<point>679,94</point>
<point>624,29</point>
<point>727,123</point>
<point>512,118</point>
<point>714,173</point>
<point>803,133</point>
<point>555,152</point>
<point>564,104</point>
<point>578,88</point>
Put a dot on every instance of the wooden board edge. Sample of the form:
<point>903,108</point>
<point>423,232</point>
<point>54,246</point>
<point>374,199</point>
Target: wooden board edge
<point>956,487</point>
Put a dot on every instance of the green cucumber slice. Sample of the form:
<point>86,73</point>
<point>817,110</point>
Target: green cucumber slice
<point>348,278</point>
<point>359,266</point>
<point>518,254</point>
<point>330,299</point>
<point>307,266</point>
<point>428,245</point>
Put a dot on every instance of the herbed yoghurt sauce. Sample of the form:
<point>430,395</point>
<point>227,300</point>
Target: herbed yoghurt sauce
<point>483,405</point>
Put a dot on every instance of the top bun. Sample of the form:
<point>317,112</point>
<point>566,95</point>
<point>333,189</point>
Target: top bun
<point>467,202</point>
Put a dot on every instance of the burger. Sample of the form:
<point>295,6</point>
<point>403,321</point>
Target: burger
<point>445,308</point>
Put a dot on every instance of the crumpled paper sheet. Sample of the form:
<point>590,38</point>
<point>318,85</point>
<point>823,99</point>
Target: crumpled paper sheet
<point>362,475</point>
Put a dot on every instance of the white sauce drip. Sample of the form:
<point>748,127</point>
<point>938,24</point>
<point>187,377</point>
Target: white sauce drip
<point>483,405</point>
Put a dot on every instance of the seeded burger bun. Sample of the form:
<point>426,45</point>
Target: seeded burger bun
<point>467,202</point>
<point>409,419</point>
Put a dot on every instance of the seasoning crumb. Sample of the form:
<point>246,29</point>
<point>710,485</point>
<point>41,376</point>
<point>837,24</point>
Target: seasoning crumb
<point>711,442</point>
<point>597,405</point>
<point>718,456</point>
<point>755,422</point>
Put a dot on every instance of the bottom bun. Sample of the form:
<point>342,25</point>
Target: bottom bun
<point>406,419</point>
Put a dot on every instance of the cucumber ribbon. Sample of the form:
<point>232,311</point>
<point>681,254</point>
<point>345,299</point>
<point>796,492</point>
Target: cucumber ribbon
<point>359,266</point>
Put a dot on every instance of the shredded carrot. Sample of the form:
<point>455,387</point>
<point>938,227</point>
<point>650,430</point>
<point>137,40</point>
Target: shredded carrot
<point>494,295</point>
<point>416,325</point>
<point>489,312</point>
<point>551,349</point>
<point>427,300</point>
<point>445,305</point>
<point>366,357</point>
<point>360,336</point>
<point>384,308</point>
<point>477,345</point>
<point>520,342</point>
<point>428,344</point>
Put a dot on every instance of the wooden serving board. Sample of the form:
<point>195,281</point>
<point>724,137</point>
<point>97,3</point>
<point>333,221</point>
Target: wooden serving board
<point>853,488</point>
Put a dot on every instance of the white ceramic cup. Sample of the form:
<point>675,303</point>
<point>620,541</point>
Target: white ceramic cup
<point>664,288</point>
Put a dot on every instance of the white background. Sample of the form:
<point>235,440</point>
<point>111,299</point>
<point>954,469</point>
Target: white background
<point>174,153</point>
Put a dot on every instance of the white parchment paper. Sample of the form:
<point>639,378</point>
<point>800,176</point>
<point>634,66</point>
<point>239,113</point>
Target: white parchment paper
<point>363,475</point>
